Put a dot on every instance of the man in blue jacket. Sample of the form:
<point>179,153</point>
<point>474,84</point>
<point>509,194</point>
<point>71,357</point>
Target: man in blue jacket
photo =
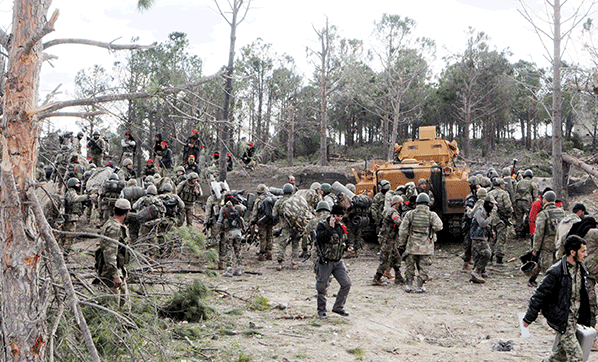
<point>562,297</point>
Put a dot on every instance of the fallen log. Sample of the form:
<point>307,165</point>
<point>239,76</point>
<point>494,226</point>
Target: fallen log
<point>578,163</point>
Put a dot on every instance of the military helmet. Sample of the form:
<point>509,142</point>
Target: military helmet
<point>323,205</point>
<point>497,181</point>
<point>132,182</point>
<point>91,165</point>
<point>167,187</point>
<point>384,185</point>
<point>179,168</point>
<point>193,176</point>
<point>157,177</point>
<point>410,184</point>
<point>80,134</point>
<point>315,186</point>
<point>396,199</point>
<point>490,172</point>
<point>148,180</point>
<point>473,181</point>
<point>127,162</point>
<point>288,189</point>
<point>151,190</point>
<point>261,188</point>
<point>351,187</point>
<point>326,187</point>
<point>96,133</point>
<point>481,193</point>
<point>549,196</point>
<point>421,181</point>
<point>506,171</point>
<point>113,176</point>
<point>528,173</point>
<point>72,182</point>
<point>422,198</point>
<point>485,182</point>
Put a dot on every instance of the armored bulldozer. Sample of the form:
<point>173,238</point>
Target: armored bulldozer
<point>430,158</point>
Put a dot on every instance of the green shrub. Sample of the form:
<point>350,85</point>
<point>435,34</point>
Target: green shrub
<point>189,305</point>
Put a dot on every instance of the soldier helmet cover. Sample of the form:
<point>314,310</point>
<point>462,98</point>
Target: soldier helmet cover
<point>261,188</point>
<point>193,176</point>
<point>528,173</point>
<point>421,181</point>
<point>506,171</point>
<point>179,168</point>
<point>396,199</point>
<point>472,180</point>
<point>497,181</point>
<point>288,189</point>
<point>151,190</point>
<point>322,205</point>
<point>315,186</point>
<point>132,182</point>
<point>384,185</point>
<point>96,133</point>
<point>481,193</point>
<point>326,187</point>
<point>550,196</point>
<point>113,176</point>
<point>91,165</point>
<point>123,204</point>
<point>422,199</point>
<point>167,187</point>
<point>127,162</point>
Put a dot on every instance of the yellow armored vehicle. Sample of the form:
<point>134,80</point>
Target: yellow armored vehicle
<point>430,158</point>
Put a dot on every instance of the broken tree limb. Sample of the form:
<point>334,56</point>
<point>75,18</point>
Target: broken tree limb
<point>58,260</point>
<point>579,163</point>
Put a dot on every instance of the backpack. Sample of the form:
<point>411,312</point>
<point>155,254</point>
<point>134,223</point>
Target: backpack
<point>296,213</point>
<point>362,201</point>
<point>171,204</point>
<point>265,209</point>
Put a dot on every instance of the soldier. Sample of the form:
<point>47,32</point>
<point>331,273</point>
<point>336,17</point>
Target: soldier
<point>501,223</point>
<point>562,297</point>
<point>544,237</point>
<point>229,162</point>
<point>74,169</point>
<point>417,235</point>
<point>377,208</point>
<point>158,151</point>
<point>192,146</point>
<point>110,193</point>
<point>327,194</point>
<point>211,213</point>
<point>331,243</point>
<point>423,185</point>
<point>126,172</point>
<point>112,259</point>
<point>470,202</point>
<point>292,214</point>
<point>525,192</point>
<point>389,252</point>
<point>191,165</point>
<point>480,228</point>
<point>78,143</point>
<point>230,223</point>
<point>129,146</point>
<point>96,148</point>
<point>247,156</point>
<point>174,205</point>
<point>150,198</point>
<point>322,213</point>
<point>310,196</point>
<point>357,219</point>
<point>261,215</point>
<point>179,175</point>
<point>190,192</point>
<point>509,183</point>
<point>166,158</point>
<point>149,169</point>
<point>579,211</point>
<point>73,208</point>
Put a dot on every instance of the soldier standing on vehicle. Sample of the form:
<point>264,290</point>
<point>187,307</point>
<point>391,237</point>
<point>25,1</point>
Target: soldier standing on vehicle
<point>97,148</point>
<point>525,192</point>
<point>501,223</point>
<point>262,217</point>
<point>331,243</point>
<point>417,235</point>
<point>543,242</point>
<point>230,223</point>
<point>112,259</point>
<point>389,251</point>
<point>190,192</point>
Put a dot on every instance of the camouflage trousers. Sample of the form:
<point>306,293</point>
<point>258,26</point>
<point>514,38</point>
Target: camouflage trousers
<point>422,263</point>
<point>389,256</point>
<point>354,236</point>
<point>188,215</point>
<point>521,210</point>
<point>545,261</point>
<point>98,160</point>
<point>67,241</point>
<point>481,252</point>
<point>497,243</point>
<point>287,237</point>
<point>593,302</point>
<point>113,298</point>
<point>568,348</point>
<point>466,247</point>
<point>265,235</point>
<point>233,248</point>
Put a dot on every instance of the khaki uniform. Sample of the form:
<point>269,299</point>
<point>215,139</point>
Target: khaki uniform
<point>310,196</point>
<point>499,223</point>
<point>96,150</point>
<point>417,235</point>
<point>73,209</point>
<point>525,192</point>
<point>591,263</point>
<point>377,209</point>
<point>189,193</point>
<point>111,262</point>
<point>544,237</point>
<point>144,202</point>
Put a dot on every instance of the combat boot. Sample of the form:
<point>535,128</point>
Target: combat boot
<point>228,273</point>
<point>409,286</point>
<point>387,274</point>
<point>476,277</point>
<point>377,281</point>
<point>398,277</point>
<point>466,268</point>
<point>420,286</point>
<point>499,261</point>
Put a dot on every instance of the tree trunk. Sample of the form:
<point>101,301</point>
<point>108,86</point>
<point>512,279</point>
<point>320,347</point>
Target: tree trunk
<point>557,130</point>
<point>291,137</point>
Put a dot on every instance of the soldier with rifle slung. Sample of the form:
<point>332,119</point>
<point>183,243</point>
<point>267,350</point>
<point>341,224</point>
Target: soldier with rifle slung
<point>97,148</point>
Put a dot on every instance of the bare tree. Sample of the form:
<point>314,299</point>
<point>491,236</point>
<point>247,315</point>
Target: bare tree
<point>554,9</point>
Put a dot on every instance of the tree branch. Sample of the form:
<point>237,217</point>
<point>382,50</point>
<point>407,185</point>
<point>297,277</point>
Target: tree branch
<point>47,29</point>
<point>4,39</point>
<point>76,114</point>
<point>100,44</point>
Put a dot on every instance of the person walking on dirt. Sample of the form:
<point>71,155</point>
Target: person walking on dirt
<point>479,231</point>
<point>331,239</point>
<point>562,297</point>
<point>389,253</point>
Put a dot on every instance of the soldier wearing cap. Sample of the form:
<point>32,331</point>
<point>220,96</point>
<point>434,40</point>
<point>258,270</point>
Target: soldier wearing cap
<point>501,223</point>
<point>544,238</point>
<point>480,229</point>
<point>417,235</point>
<point>190,192</point>
<point>389,252</point>
<point>111,258</point>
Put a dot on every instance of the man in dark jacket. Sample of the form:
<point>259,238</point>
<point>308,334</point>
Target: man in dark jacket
<point>331,236</point>
<point>562,296</point>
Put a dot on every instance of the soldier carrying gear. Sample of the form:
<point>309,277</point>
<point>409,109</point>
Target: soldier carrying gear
<point>73,208</point>
<point>179,174</point>
<point>417,235</point>
<point>470,202</point>
<point>501,223</point>
<point>288,189</point>
<point>211,212</point>
<point>230,223</point>
<point>97,148</point>
<point>388,238</point>
<point>509,183</point>
<point>261,215</point>
<point>111,190</point>
<point>174,205</point>
<point>147,201</point>
<point>112,259</point>
<point>377,208</point>
<point>322,212</point>
<point>525,192</point>
<point>127,172</point>
<point>190,192</point>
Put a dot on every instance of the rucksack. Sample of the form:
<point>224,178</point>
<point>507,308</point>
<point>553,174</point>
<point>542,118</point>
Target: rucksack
<point>362,201</point>
<point>265,209</point>
<point>171,204</point>
<point>296,213</point>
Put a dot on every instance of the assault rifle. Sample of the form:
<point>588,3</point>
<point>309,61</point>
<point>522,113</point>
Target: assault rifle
<point>93,144</point>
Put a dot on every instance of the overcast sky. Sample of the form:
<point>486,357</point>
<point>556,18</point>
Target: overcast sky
<point>287,24</point>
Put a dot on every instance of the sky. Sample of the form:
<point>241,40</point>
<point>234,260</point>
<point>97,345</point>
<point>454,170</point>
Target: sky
<point>288,25</point>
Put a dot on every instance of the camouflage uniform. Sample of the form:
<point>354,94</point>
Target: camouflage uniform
<point>356,212</point>
<point>377,209</point>
<point>230,224</point>
<point>174,209</point>
<point>144,202</point>
<point>111,260</point>
<point>470,202</point>
<point>189,193</point>
<point>417,235</point>
<point>331,199</point>
<point>126,174</point>
<point>96,149</point>
<point>389,252</point>
<point>211,213</point>
<point>591,263</point>
<point>310,196</point>
<point>321,216</point>
<point>73,209</point>
<point>110,193</point>
<point>292,214</point>
<point>149,170</point>
<point>525,192</point>
<point>264,228</point>
<point>510,184</point>
<point>480,225</point>
<point>543,243</point>
<point>499,224</point>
